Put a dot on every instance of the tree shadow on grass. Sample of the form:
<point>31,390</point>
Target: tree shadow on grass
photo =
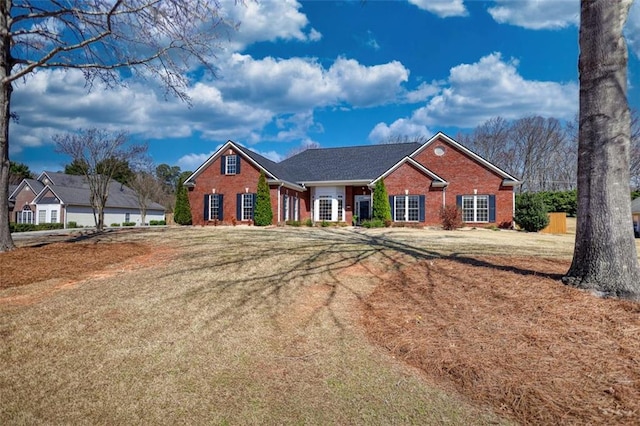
<point>260,269</point>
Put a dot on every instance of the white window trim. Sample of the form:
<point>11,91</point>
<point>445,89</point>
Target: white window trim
<point>228,160</point>
<point>405,198</point>
<point>243,211</point>
<point>475,199</point>
<point>211,202</point>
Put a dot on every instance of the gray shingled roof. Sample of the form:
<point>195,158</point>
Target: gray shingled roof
<point>74,190</point>
<point>343,164</point>
<point>275,168</point>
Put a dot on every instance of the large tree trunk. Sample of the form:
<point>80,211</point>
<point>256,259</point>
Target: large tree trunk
<point>605,257</point>
<point>6,242</point>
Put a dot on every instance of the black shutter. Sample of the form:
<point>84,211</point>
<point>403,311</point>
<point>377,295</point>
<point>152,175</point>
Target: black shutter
<point>459,201</point>
<point>237,164</point>
<point>207,203</point>
<point>220,207</point>
<point>223,164</point>
<point>239,206</point>
<point>492,208</point>
<point>421,201</point>
<point>392,204</point>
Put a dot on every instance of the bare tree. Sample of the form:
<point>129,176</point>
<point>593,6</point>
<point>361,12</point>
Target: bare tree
<point>148,189</point>
<point>92,147</point>
<point>302,148</point>
<point>490,141</point>
<point>605,257</point>
<point>161,39</point>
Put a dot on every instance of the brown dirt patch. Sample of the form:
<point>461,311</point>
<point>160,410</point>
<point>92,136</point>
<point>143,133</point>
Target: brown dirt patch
<point>504,331</point>
<point>62,265</point>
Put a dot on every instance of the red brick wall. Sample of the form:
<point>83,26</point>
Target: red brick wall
<point>25,196</point>
<point>466,175</point>
<point>408,177</point>
<point>228,185</point>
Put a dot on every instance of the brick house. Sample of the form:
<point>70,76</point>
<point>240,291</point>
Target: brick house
<point>335,184</point>
<point>61,198</point>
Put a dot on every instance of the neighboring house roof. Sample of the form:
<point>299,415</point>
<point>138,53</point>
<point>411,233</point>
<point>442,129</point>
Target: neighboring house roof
<point>635,206</point>
<point>74,190</point>
<point>33,184</point>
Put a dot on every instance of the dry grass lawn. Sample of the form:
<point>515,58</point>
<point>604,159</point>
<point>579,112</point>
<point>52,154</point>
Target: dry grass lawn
<point>287,326</point>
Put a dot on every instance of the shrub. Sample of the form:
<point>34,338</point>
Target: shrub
<point>381,207</point>
<point>263,214</point>
<point>157,222</point>
<point>560,201</point>
<point>324,224</point>
<point>295,223</point>
<point>531,212</point>
<point>128,224</point>
<point>115,224</point>
<point>373,223</point>
<point>182,210</point>
<point>48,226</point>
<point>451,217</point>
<point>21,227</point>
<point>308,222</point>
<point>72,224</point>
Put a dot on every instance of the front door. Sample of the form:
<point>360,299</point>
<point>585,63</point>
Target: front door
<point>363,207</point>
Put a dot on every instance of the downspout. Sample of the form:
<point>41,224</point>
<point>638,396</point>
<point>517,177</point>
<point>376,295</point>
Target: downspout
<point>444,197</point>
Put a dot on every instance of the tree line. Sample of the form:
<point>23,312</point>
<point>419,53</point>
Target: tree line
<point>541,152</point>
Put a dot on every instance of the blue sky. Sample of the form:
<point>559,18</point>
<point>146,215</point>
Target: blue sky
<point>334,74</point>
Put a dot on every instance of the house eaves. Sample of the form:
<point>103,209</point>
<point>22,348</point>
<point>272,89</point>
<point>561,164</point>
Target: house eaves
<point>336,183</point>
<point>508,179</point>
<point>286,184</point>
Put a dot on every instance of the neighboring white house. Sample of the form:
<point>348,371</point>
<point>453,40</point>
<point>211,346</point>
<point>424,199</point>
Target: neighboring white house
<point>62,198</point>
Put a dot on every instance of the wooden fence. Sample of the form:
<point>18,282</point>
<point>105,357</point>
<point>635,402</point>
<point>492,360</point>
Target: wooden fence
<point>557,224</point>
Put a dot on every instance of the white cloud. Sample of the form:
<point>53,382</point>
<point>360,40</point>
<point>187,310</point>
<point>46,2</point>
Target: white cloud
<point>488,88</point>
<point>291,85</point>
<point>193,161</point>
<point>401,127</point>
<point>267,21</point>
<point>536,14</point>
<point>442,8</point>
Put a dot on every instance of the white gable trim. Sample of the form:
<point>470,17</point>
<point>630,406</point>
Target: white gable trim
<point>37,198</point>
<point>230,144</point>
<point>509,180</point>
<point>19,188</point>
<point>438,182</point>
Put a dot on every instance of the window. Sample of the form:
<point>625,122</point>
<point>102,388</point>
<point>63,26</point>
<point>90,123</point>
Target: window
<point>285,207</point>
<point>25,215</point>
<point>247,206</point>
<point>324,208</point>
<point>408,208</point>
<point>214,207</point>
<point>231,166</point>
<point>54,216</point>
<point>400,209</point>
<point>127,217</point>
<point>340,215</point>
<point>475,208</point>
<point>413,208</point>
<point>42,216</point>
